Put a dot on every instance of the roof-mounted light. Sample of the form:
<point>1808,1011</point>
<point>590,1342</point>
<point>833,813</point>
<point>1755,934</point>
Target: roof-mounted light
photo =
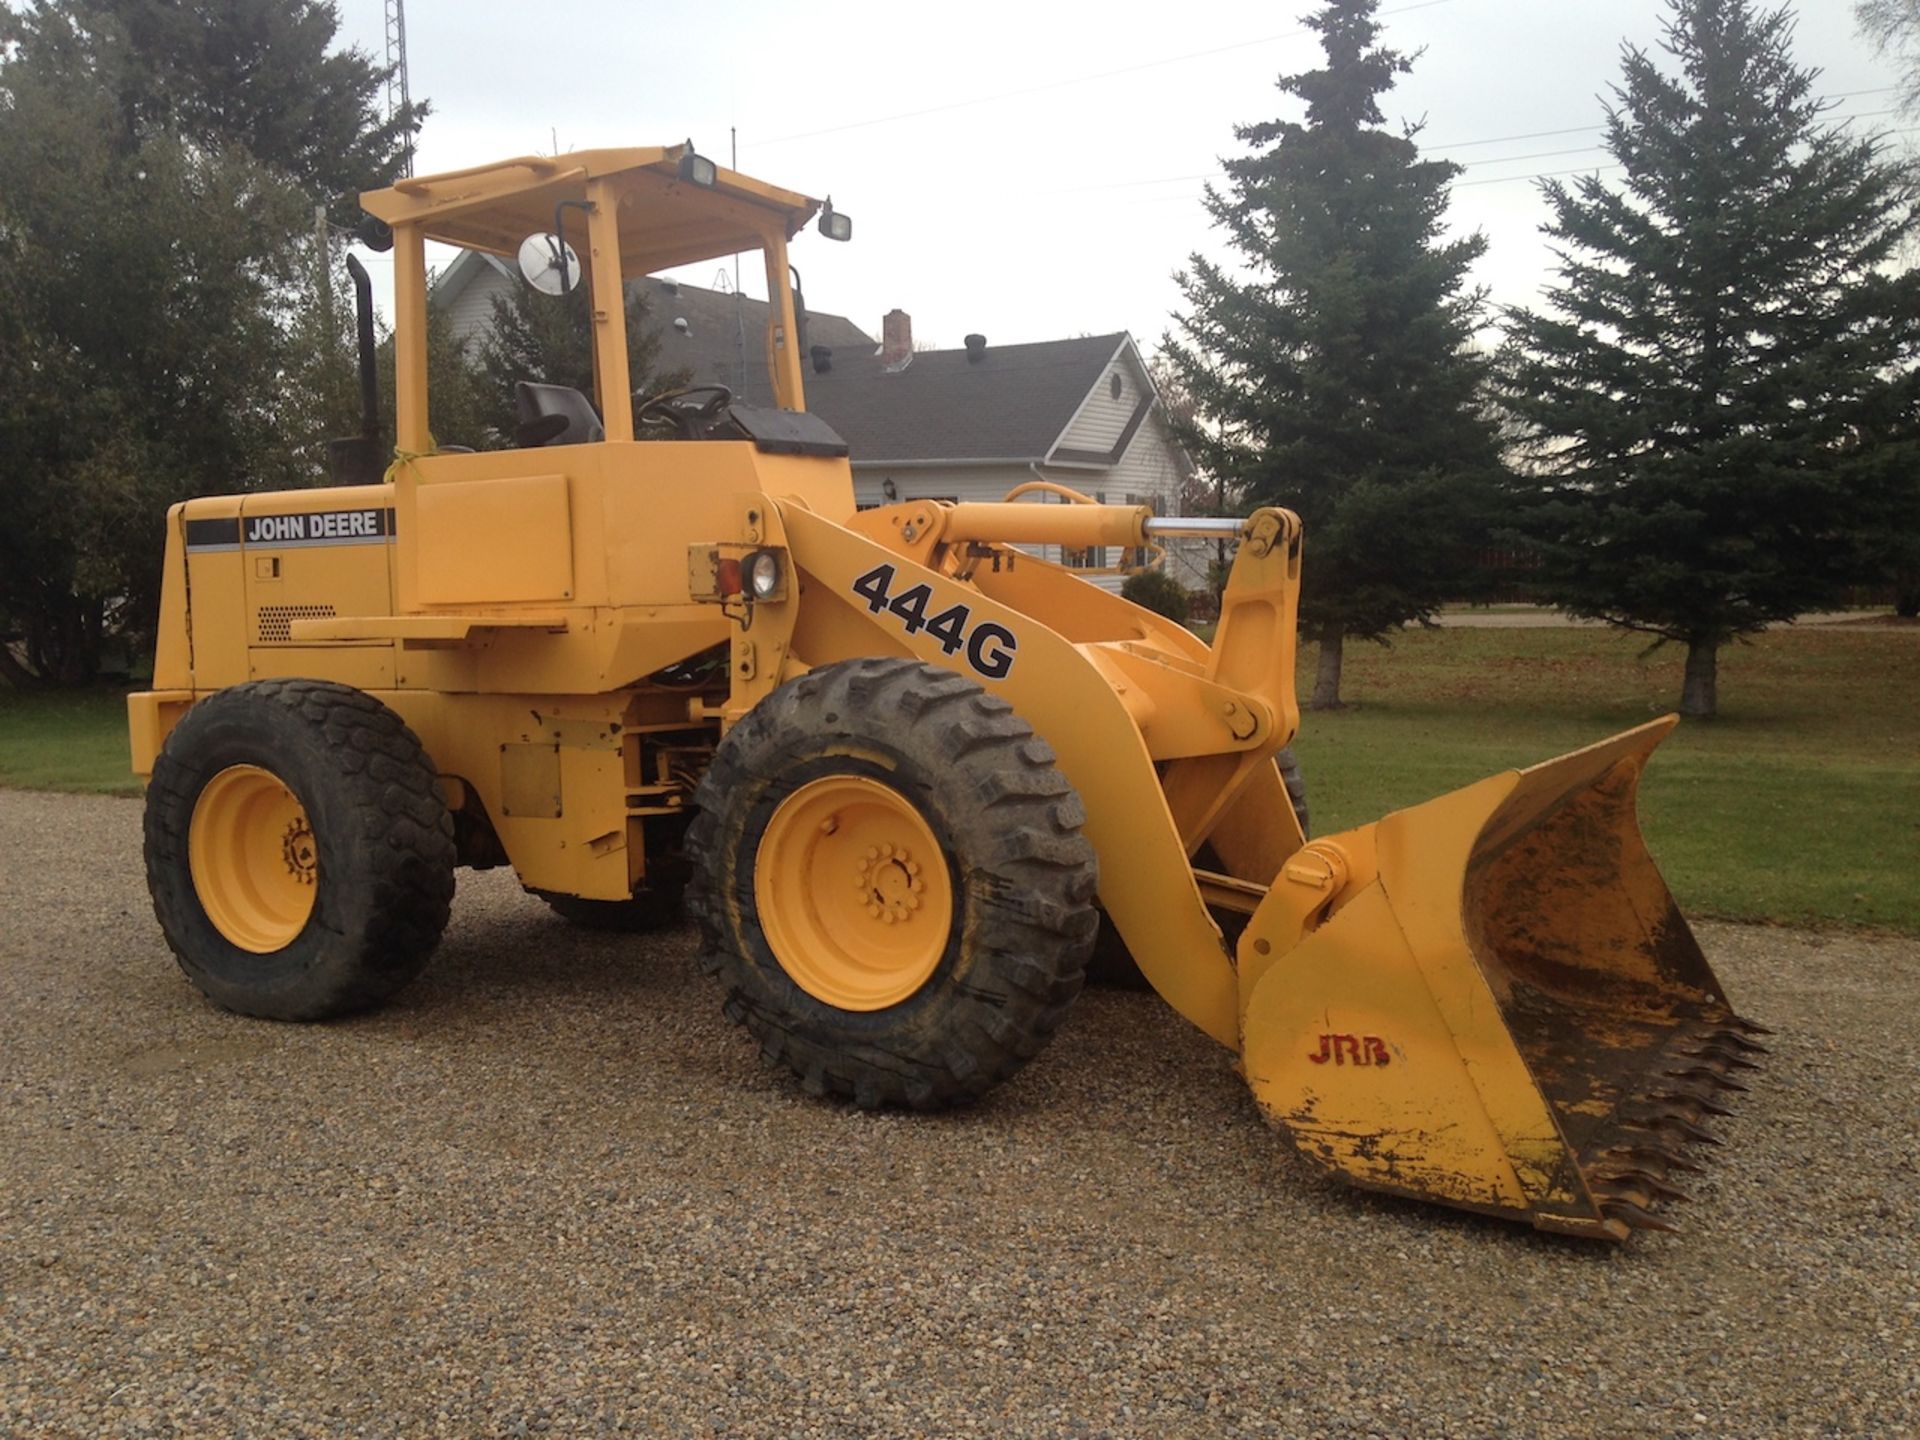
<point>697,169</point>
<point>833,224</point>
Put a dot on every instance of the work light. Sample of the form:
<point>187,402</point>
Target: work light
<point>763,574</point>
<point>835,225</point>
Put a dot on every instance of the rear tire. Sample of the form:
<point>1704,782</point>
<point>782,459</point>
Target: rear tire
<point>949,949</point>
<point>298,848</point>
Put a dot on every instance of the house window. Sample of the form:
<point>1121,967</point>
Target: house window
<point>1114,386</point>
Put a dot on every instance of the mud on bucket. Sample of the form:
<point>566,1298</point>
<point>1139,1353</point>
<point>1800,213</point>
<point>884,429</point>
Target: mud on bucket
<point>1494,1002</point>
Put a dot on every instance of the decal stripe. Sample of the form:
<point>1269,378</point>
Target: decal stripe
<point>365,525</point>
<point>205,535</point>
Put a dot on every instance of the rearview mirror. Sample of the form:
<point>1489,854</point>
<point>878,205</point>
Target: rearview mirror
<point>549,264</point>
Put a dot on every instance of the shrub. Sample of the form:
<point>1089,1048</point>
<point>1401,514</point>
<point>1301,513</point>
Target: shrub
<point>1159,592</point>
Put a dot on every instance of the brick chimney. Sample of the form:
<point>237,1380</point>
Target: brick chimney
<point>896,340</point>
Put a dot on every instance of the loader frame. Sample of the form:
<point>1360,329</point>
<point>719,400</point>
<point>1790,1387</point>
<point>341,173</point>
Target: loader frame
<point>571,631</point>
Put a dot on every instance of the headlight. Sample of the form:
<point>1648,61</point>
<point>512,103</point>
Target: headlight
<point>763,575</point>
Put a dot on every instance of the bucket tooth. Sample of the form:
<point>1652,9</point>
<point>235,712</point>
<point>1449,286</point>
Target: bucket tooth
<point>1656,1155</point>
<point>1630,1191</point>
<point>1687,1096</point>
<point>1652,1185</point>
<point>1692,1130</point>
<point>1734,1039</point>
<point>1716,1078</point>
<point>1634,1215</point>
<point>1748,1027</point>
<point>1673,1122</point>
<point>1712,1050</point>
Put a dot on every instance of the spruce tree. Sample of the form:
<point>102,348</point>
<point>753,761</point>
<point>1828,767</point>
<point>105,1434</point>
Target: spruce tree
<point>1718,391</point>
<point>1332,368</point>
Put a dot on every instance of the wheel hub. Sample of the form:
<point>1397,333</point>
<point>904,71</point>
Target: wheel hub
<point>889,878</point>
<point>296,848</point>
<point>871,943</point>
<point>253,858</point>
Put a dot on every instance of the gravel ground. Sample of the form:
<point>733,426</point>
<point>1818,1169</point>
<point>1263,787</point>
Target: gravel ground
<point>550,1191</point>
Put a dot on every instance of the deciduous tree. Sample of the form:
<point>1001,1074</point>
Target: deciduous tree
<point>158,167</point>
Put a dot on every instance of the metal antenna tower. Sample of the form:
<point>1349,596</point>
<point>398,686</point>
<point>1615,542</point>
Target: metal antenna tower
<point>399,94</point>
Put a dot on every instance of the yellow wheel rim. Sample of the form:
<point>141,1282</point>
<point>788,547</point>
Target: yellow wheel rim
<point>253,858</point>
<point>853,892</point>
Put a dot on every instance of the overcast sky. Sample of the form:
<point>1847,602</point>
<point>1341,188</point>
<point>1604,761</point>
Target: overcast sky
<point>1032,171</point>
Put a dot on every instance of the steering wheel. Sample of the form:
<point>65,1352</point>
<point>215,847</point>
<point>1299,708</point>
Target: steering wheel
<point>687,411</point>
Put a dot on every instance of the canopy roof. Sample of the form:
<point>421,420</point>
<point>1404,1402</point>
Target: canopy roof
<point>664,220</point>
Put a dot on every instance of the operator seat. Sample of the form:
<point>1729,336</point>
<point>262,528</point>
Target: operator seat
<point>553,415</point>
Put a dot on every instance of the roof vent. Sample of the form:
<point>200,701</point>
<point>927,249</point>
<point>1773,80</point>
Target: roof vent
<point>822,358</point>
<point>976,347</point>
<point>672,287</point>
<point>680,324</point>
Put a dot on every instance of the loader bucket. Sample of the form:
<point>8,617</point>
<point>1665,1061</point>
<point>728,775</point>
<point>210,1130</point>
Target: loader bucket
<point>1491,1001</point>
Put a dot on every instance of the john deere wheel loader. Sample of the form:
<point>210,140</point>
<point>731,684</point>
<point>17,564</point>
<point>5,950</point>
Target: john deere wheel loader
<point>894,760</point>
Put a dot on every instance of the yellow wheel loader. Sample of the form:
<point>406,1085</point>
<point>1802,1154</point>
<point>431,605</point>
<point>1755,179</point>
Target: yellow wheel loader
<point>898,764</point>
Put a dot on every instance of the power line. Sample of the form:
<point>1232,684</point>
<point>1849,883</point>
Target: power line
<point>1581,149</point>
<point>1584,129</point>
<point>1071,80</point>
<point>1489,160</point>
<point>1587,169</point>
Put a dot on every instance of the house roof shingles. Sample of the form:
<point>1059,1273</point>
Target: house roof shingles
<point>1011,404</point>
<point>722,330</point>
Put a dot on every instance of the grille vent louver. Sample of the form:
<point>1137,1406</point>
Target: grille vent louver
<point>276,620</point>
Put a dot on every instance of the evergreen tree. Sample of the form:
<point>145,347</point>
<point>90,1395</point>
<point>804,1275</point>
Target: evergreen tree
<point>1337,376</point>
<point>260,75</point>
<point>1718,394</point>
<point>547,339</point>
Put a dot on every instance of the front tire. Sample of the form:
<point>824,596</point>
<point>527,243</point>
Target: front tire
<point>299,850</point>
<point>891,882</point>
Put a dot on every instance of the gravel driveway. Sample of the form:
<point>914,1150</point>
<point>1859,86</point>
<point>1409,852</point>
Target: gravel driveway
<point>550,1191</point>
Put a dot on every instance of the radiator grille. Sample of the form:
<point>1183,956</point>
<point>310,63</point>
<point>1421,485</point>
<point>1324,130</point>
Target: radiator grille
<point>276,620</point>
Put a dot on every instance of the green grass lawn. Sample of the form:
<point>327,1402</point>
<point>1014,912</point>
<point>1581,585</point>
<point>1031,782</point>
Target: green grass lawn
<point>1800,804</point>
<point>66,740</point>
